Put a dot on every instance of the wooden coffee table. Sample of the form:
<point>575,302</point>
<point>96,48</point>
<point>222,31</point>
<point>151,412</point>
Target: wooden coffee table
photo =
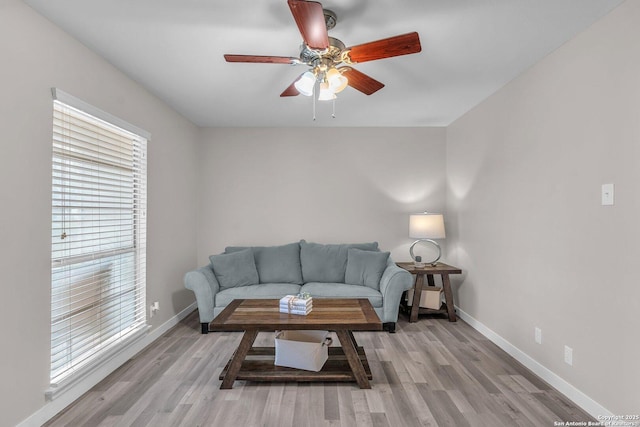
<point>346,363</point>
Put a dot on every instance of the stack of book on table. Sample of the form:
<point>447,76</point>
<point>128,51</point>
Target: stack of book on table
<point>296,304</point>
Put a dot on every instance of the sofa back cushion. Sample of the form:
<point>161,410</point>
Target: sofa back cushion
<point>365,268</point>
<point>236,269</point>
<point>275,264</point>
<point>327,263</point>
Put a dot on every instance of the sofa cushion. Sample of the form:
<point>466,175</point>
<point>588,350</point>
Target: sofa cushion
<point>365,268</point>
<point>342,290</point>
<point>267,291</point>
<point>327,263</point>
<point>236,269</point>
<point>275,264</point>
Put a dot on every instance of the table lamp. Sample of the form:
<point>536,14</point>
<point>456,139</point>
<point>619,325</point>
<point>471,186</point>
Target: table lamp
<point>425,227</point>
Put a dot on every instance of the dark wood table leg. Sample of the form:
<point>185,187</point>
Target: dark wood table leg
<point>236,361</point>
<point>430,280</point>
<point>417,293</point>
<point>352,338</point>
<point>448,297</point>
<point>349,347</point>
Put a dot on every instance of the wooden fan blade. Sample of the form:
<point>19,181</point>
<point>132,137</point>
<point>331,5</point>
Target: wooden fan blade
<point>361,81</point>
<point>261,59</point>
<point>310,19</point>
<point>404,44</point>
<point>291,90</point>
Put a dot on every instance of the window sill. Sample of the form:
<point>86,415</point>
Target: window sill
<point>103,365</point>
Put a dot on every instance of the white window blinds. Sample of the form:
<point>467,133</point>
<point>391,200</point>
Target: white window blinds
<point>98,240</point>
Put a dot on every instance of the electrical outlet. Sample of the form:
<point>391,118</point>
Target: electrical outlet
<point>568,355</point>
<point>153,308</point>
<point>538,335</point>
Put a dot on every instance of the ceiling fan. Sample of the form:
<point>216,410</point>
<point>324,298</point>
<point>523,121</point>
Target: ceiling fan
<point>328,59</point>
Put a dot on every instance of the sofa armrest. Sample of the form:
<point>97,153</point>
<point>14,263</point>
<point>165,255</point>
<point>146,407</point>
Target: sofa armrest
<point>394,282</point>
<point>395,279</point>
<point>205,286</point>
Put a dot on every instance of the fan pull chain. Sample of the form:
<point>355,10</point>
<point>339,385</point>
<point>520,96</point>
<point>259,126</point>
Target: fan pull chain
<point>313,95</point>
<point>333,113</point>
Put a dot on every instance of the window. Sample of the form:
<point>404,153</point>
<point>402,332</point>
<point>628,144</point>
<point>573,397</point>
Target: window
<point>98,239</point>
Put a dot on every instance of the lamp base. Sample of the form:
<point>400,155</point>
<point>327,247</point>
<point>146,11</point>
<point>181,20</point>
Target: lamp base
<point>433,262</point>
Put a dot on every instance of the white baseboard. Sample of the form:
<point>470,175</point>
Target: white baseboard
<point>576,396</point>
<point>50,409</point>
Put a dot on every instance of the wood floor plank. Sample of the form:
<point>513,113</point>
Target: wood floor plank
<point>374,400</point>
<point>315,405</point>
<point>362,412</point>
<point>398,408</point>
<point>415,368</point>
<point>510,382</point>
<point>331,407</point>
<point>525,384</point>
<point>422,412</point>
<point>430,373</point>
<point>346,412</point>
<point>442,407</point>
<point>199,414</point>
<point>461,402</point>
<point>271,403</point>
<point>302,400</point>
<point>380,420</point>
<point>513,411</point>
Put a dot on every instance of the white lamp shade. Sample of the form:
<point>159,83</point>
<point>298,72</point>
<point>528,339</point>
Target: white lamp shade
<point>305,83</point>
<point>325,93</point>
<point>337,82</point>
<point>426,226</point>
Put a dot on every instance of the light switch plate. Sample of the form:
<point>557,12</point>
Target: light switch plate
<point>568,355</point>
<point>607,194</point>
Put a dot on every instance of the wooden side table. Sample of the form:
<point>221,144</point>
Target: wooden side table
<point>429,271</point>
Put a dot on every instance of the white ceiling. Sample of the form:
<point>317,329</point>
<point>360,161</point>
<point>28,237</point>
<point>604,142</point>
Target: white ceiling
<point>174,48</point>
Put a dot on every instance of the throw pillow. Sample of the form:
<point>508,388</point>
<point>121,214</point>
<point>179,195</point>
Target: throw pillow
<point>275,264</point>
<point>236,269</point>
<point>327,263</point>
<point>365,268</point>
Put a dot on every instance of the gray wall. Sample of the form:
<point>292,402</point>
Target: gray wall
<point>35,57</point>
<point>524,175</point>
<point>270,186</point>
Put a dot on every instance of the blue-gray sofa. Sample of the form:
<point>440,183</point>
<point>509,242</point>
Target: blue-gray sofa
<point>357,270</point>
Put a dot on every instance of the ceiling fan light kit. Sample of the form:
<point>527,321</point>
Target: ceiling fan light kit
<point>324,55</point>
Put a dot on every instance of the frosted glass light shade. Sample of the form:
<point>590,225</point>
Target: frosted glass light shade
<point>325,93</point>
<point>337,82</point>
<point>426,226</point>
<point>305,83</point>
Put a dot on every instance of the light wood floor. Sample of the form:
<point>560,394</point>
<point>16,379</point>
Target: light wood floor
<point>430,373</point>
